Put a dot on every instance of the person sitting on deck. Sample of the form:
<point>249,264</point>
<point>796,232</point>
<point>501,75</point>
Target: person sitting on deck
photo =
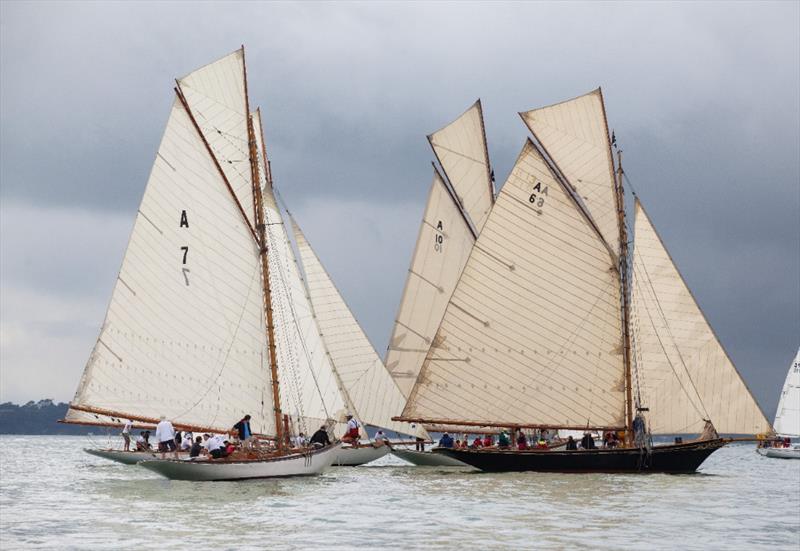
<point>300,441</point>
<point>571,443</point>
<point>197,447</point>
<point>587,442</point>
<point>381,440</point>
<point>229,448</point>
<point>320,439</point>
<point>143,441</point>
<point>478,443</point>
<point>502,441</point>
<point>522,441</point>
<point>187,442</point>
<point>488,441</point>
<point>464,442</point>
<point>243,431</point>
<point>216,447</point>
<point>353,433</point>
<point>541,443</point>
<point>446,441</point>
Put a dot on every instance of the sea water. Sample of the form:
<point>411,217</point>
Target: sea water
<point>55,496</point>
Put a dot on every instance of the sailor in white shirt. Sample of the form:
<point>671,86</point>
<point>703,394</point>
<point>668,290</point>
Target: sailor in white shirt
<point>165,436</point>
<point>126,434</point>
<point>215,446</point>
<point>186,443</point>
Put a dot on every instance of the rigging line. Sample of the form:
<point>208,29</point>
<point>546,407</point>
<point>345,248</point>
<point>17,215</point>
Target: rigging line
<point>272,237</point>
<point>680,356</point>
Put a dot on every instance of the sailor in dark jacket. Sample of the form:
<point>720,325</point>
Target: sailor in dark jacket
<point>320,439</point>
<point>243,428</point>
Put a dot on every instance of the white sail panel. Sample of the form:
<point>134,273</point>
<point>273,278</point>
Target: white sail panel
<point>216,96</point>
<point>461,149</point>
<point>309,391</point>
<point>575,135</point>
<point>184,334</point>
<point>787,417</point>
<point>532,333</point>
<point>684,374</point>
<point>367,385</point>
<point>443,246</point>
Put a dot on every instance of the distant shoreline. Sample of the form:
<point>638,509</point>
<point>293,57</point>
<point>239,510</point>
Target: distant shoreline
<point>39,418</point>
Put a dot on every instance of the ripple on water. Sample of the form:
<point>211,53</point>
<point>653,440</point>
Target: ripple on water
<point>52,495</point>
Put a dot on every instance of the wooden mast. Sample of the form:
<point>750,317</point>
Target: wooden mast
<point>623,275</point>
<point>261,231</point>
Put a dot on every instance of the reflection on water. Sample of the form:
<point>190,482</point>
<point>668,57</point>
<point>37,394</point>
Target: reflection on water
<point>52,495</point>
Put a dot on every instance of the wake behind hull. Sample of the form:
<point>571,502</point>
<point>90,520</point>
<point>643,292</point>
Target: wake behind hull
<point>352,457</point>
<point>678,458</point>
<point>305,464</point>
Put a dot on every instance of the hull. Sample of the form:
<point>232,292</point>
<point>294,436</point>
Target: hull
<point>352,457</point>
<point>428,459</point>
<point>306,464</point>
<point>127,458</point>
<point>780,453</point>
<point>678,458</point>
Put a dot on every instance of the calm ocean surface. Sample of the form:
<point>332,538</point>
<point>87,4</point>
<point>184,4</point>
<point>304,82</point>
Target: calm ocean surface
<point>52,495</point>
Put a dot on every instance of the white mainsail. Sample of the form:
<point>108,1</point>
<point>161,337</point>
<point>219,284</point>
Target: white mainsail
<point>369,388</point>
<point>184,334</point>
<point>461,149</point>
<point>575,136</point>
<point>532,333</point>
<point>787,417</point>
<point>309,391</point>
<point>443,246</point>
<point>684,374</point>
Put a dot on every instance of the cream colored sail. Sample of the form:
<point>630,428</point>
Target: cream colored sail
<point>575,135</point>
<point>461,149</point>
<point>443,246</point>
<point>532,333</point>
<point>309,390</point>
<point>787,417</point>
<point>367,385</point>
<point>216,95</point>
<point>684,374</point>
<point>184,334</point>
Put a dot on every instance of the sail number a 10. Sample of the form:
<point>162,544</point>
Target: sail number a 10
<point>538,195</point>
<point>438,239</point>
<point>184,223</point>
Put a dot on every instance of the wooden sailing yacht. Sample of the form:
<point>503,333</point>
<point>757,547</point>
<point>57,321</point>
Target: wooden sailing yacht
<point>209,319</point>
<point>554,325</point>
<point>787,416</point>
<point>459,202</point>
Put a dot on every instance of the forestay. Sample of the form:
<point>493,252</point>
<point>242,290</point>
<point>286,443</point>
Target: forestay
<point>787,417</point>
<point>461,149</point>
<point>574,134</point>
<point>443,246</point>
<point>367,385</point>
<point>309,392</point>
<point>184,334</point>
<point>684,374</point>
<point>532,333</point>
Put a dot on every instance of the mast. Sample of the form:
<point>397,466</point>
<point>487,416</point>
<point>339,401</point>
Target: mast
<point>263,251</point>
<point>624,296</point>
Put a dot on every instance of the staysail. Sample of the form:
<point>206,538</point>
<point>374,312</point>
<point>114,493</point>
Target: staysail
<point>461,149</point>
<point>787,417</point>
<point>443,246</point>
<point>532,333</point>
<point>309,392</point>
<point>367,385</point>
<point>574,134</point>
<point>683,374</point>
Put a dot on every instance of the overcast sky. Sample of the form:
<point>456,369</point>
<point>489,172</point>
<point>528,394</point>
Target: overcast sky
<point>704,99</point>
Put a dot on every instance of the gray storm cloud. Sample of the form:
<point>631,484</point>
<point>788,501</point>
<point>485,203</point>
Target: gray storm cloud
<point>703,98</point>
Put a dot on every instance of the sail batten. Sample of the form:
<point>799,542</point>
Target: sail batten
<point>684,374</point>
<point>539,344</point>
